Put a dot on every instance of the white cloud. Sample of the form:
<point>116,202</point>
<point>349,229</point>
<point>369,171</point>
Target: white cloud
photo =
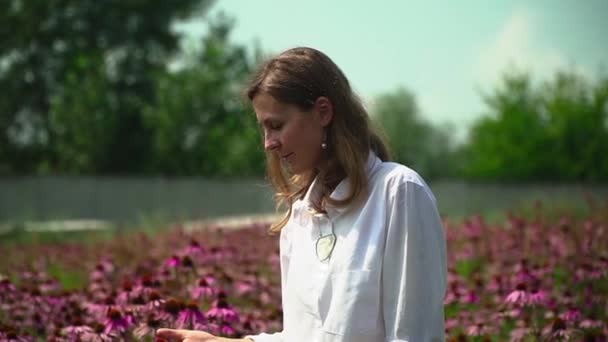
<point>516,46</point>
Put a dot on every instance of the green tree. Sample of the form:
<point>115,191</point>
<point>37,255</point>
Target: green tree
<point>508,144</point>
<point>200,125</point>
<point>413,141</point>
<point>553,132</point>
<point>577,126</point>
<point>51,50</point>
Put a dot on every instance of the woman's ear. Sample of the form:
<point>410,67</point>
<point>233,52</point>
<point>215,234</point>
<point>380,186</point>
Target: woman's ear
<point>325,109</point>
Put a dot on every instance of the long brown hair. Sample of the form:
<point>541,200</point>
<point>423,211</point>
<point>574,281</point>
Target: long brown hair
<point>299,77</point>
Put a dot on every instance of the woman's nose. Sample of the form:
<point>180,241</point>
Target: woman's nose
<point>271,144</point>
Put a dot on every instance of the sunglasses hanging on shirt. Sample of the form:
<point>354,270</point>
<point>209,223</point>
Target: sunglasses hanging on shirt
<point>325,245</point>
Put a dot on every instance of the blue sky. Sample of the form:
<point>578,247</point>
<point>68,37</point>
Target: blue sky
<point>444,54</point>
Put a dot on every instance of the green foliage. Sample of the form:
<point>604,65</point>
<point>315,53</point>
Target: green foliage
<point>69,279</point>
<point>88,90</point>
<point>412,140</point>
<point>199,124</point>
<point>553,132</point>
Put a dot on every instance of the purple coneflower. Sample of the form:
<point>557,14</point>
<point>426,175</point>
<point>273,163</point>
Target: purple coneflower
<point>480,329</point>
<point>6,285</point>
<point>471,297</point>
<point>519,334</point>
<point>146,285</point>
<point>125,293</point>
<point>519,296</point>
<point>226,329</point>
<point>101,310</point>
<point>244,287</point>
<point>590,324</point>
<point>557,330</point>
<point>116,323</point>
<point>203,289</point>
<point>97,335</point>
<point>173,261</point>
<point>571,315</point>
<point>221,311</point>
<point>194,248</point>
<point>171,309</point>
<point>75,331</point>
<point>148,327</point>
<point>190,317</point>
<point>155,300</point>
<point>537,297</point>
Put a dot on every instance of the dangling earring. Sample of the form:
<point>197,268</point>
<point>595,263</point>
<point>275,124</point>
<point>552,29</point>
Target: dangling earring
<point>324,143</point>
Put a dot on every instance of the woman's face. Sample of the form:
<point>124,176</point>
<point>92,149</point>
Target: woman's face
<point>293,135</point>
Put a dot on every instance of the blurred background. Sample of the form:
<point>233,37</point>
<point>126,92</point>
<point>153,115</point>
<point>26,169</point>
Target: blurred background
<point>126,111</point>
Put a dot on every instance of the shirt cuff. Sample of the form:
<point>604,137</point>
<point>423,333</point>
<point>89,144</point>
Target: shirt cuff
<point>276,337</point>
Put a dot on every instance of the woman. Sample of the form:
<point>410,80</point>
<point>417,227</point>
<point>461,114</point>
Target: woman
<point>362,247</point>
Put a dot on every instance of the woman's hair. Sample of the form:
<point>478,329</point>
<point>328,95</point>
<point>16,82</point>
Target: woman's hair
<point>299,77</point>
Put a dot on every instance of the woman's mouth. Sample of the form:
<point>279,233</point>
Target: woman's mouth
<point>286,156</point>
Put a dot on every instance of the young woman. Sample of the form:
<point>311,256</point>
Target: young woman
<point>362,246</point>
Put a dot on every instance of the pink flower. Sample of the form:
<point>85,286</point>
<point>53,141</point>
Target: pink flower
<point>480,329</point>
<point>97,335</point>
<point>573,314</point>
<point>6,286</point>
<point>496,284</point>
<point>190,318</point>
<point>471,297</point>
<point>590,324</point>
<point>173,261</point>
<point>222,311</point>
<point>537,297</point>
<point>101,310</point>
<point>519,296</point>
<point>126,292</point>
<point>474,227</point>
<point>203,290</point>
<point>194,248</point>
<point>116,323</point>
<point>74,332</point>
<point>155,301</point>
<point>519,334</point>
<point>244,287</point>
<point>226,329</point>
<point>171,309</point>
<point>451,323</point>
<point>148,327</point>
<point>557,330</point>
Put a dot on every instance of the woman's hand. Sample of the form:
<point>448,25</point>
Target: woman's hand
<point>180,335</point>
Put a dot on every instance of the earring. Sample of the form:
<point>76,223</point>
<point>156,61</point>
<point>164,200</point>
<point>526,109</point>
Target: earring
<point>324,143</point>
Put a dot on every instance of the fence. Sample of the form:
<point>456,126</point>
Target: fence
<point>130,199</point>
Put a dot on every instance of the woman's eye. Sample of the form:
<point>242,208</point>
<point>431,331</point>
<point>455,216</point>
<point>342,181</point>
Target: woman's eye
<point>276,126</point>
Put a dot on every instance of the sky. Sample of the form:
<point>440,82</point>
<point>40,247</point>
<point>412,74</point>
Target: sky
<point>446,55</point>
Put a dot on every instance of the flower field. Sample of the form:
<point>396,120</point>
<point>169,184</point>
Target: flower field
<point>540,278</point>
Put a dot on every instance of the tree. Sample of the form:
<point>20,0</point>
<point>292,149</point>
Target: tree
<point>50,51</point>
<point>199,123</point>
<point>508,143</point>
<point>413,141</point>
<point>553,132</point>
<point>577,126</point>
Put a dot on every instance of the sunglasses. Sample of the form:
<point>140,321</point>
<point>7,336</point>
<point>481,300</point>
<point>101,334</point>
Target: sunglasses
<point>325,245</point>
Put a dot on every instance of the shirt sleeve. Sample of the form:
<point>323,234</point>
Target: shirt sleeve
<point>285,255</point>
<point>263,337</point>
<point>414,267</point>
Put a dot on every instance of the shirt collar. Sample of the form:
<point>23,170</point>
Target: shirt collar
<point>305,205</point>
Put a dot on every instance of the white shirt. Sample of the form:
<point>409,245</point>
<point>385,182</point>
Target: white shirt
<point>386,277</point>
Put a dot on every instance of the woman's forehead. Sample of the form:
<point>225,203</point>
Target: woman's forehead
<point>267,107</point>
